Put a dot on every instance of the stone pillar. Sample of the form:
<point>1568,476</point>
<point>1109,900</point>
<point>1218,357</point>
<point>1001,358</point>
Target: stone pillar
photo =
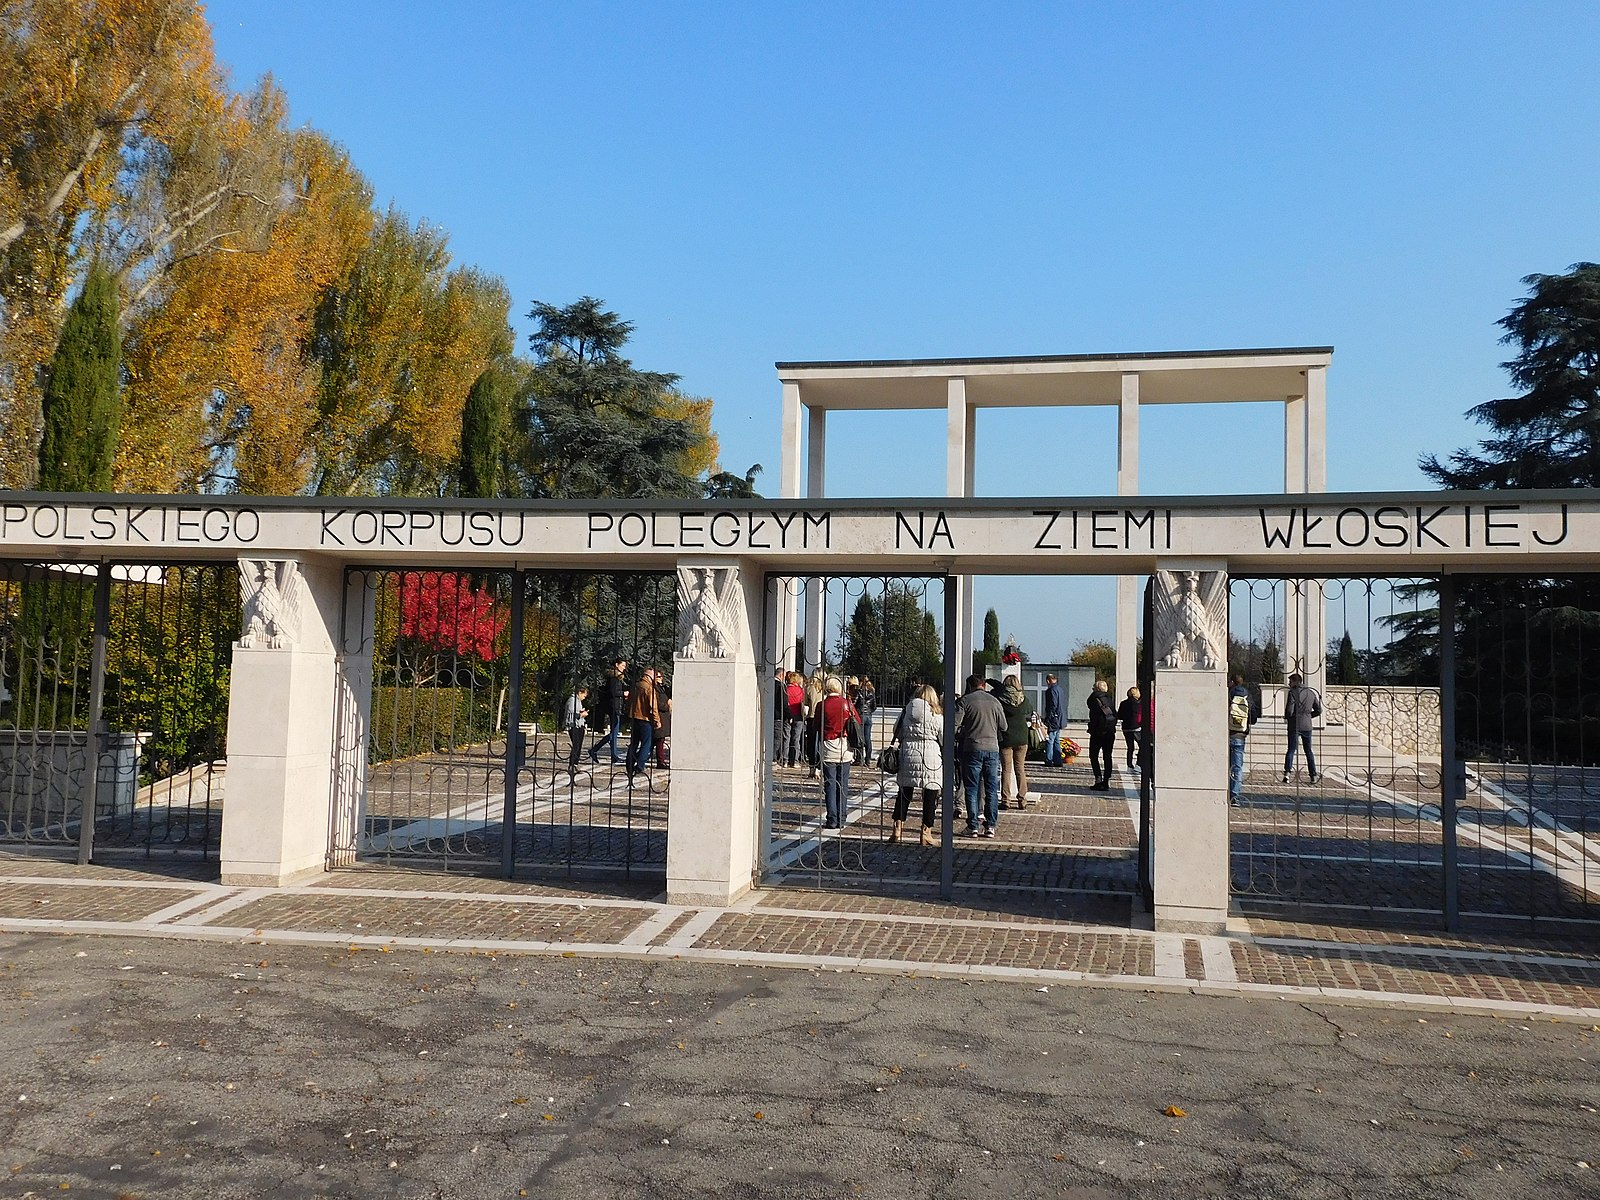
<point>1191,724</point>
<point>282,717</point>
<point>816,484</point>
<point>789,471</point>
<point>784,600</point>
<point>1314,613</point>
<point>353,715</point>
<point>716,732</point>
<point>1128,589</point>
<point>1316,404</point>
<point>960,436</point>
<point>1305,470</point>
<point>1294,444</point>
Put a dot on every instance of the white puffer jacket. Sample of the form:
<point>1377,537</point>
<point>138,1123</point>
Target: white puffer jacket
<point>921,746</point>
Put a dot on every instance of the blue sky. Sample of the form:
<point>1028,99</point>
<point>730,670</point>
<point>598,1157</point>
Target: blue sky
<point>761,182</point>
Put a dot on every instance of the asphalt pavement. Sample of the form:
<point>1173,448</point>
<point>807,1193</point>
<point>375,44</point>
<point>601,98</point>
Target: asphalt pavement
<point>140,1067</point>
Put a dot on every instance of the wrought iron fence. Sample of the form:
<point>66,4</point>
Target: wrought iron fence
<point>470,675</point>
<point>1456,776</point>
<point>127,665</point>
<point>880,642</point>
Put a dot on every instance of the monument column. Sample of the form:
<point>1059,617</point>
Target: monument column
<point>816,485</point>
<point>1294,481</point>
<point>785,603</point>
<point>960,435</point>
<point>717,696</point>
<point>282,719</point>
<point>1191,735</point>
<point>1314,612</point>
<point>1128,606</point>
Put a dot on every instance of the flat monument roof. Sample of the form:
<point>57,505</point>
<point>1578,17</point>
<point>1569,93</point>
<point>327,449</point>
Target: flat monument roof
<point>1272,374</point>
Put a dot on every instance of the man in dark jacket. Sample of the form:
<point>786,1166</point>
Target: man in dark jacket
<point>1102,734</point>
<point>1301,707</point>
<point>979,723</point>
<point>614,707</point>
<point>1055,718</point>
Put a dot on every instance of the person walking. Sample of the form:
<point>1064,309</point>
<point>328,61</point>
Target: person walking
<point>1129,718</point>
<point>574,719</point>
<point>644,715</point>
<point>1055,719</point>
<point>1102,734</point>
<point>920,732</point>
<point>1244,710</point>
<point>1014,743</point>
<point>1301,707</point>
<point>614,708</point>
<point>834,714</point>
<point>979,723</point>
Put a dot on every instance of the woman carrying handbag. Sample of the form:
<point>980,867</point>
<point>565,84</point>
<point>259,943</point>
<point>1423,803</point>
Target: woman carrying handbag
<point>920,735</point>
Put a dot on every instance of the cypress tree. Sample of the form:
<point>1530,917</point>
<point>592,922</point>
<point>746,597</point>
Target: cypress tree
<point>82,394</point>
<point>484,421</point>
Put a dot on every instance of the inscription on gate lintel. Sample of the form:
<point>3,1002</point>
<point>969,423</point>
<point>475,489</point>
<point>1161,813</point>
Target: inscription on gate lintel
<point>1486,525</point>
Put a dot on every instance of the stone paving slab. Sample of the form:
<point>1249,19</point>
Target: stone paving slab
<point>999,907</point>
<point>418,879</point>
<point>967,945</point>
<point>1480,978</point>
<point>71,902</point>
<point>1578,946</point>
<point>449,919</point>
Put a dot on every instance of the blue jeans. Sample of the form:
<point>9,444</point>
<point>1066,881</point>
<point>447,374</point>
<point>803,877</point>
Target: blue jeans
<point>608,739</point>
<point>1304,738</point>
<point>1052,748</point>
<point>1235,767</point>
<point>836,792</point>
<point>982,766</point>
<point>794,738</point>
<point>641,741</point>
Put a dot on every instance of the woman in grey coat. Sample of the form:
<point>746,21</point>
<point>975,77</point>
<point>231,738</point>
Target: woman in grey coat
<point>920,732</point>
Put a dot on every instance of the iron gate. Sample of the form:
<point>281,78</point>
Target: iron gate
<point>124,666</point>
<point>470,674</point>
<point>1455,775</point>
<point>885,628</point>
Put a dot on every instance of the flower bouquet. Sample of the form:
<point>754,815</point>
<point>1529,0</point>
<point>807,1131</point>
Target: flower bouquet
<point>1069,749</point>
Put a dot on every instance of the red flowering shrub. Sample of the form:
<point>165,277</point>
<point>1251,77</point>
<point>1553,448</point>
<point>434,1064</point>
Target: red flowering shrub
<point>441,610</point>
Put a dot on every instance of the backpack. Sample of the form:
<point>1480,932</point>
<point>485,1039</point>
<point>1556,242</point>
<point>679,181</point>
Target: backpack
<point>1239,713</point>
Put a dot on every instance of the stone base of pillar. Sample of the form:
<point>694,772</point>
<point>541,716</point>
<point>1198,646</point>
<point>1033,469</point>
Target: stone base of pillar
<point>236,877</point>
<point>685,893</point>
<point>280,723</point>
<point>1191,802</point>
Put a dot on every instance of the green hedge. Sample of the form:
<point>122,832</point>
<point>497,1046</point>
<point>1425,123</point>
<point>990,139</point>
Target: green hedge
<point>407,721</point>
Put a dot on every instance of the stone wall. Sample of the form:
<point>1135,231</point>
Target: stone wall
<point>43,772</point>
<point>1405,719</point>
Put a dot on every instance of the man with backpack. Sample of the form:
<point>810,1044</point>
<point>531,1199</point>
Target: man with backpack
<point>1300,709</point>
<point>1102,734</point>
<point>1244,710</point>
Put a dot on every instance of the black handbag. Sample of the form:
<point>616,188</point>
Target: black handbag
<point>889,759</point>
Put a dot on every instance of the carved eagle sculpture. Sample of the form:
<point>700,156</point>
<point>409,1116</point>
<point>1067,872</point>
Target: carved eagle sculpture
<point>710,612</point>
<point>270,592</point>
<point>1191,618</point>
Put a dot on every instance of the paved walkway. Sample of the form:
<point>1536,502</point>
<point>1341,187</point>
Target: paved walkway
<point>1044,939</point>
